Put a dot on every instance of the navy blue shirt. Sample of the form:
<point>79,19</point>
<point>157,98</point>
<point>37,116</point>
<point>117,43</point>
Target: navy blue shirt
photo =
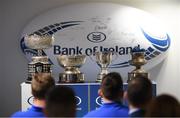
<point>138,113</point>
<point>109,110</point>
<point>34,111</point>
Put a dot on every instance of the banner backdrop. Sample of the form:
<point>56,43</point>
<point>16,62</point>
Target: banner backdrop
<point>92,27</point>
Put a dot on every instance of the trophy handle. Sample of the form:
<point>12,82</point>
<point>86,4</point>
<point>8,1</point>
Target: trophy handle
<point>113,53</point>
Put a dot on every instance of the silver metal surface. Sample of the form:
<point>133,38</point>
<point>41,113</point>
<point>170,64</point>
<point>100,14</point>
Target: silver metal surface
<point>71,60</point>
<point>39,63</point>
<point>138,60</point>
<point>103,59</point>
<point>39,42</point>
<point>43,59</point>
<point>71,65</point>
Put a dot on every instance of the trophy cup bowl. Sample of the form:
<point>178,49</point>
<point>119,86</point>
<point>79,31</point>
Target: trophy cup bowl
<point>40,63</point>
<point>138,60</point>
<point>71,60</point>
<point>35,41</point>
<point>71,65</point>
<point>103,59</point>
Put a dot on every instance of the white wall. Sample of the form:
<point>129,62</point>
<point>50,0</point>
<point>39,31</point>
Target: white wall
<point>168,78</point>
<point>15,14</point>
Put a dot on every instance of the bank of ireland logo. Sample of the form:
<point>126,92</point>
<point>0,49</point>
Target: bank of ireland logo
<point>96,37</point>
<point>99,100</point>
<point>158,46</point>
<point>30,100</point>
<point>78,100</point>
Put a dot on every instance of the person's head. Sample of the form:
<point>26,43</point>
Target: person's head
<point>139,92</point>
<point>60,102</point>
<point>41,83</point>
<point>163,106</point>
<point>112,87</point>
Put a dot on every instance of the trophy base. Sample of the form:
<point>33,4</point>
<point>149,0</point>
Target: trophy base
<point>100,77</point>
<point>71,78</point>
<point>132,75</point>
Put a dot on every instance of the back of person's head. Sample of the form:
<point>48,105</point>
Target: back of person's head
<point>60,102</point>
<point>139,92</point>
<point>112,86</point>
<point>164,106</point>
<point>41,83</point>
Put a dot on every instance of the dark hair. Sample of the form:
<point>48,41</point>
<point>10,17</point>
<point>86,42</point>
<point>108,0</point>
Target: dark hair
<point>60,102</point>
<point>164,106</point>
<point>112,86</point>
<point>41,82</point>
<point>139,91</point>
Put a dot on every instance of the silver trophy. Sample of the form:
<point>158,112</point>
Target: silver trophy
<point>138,60</point>
<point>103,59</point>
<point>40,63</point>
<point>71,65</point>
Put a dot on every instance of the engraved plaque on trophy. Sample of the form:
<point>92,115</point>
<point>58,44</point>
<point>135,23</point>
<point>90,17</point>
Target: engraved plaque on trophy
<point>71,65</point>
<point>138,60</point>
<point>103,59</point>
<point>39,63</point>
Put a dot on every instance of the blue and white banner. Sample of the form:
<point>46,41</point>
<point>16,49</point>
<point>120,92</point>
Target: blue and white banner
<point>86,94</point>
<point>92,27</point>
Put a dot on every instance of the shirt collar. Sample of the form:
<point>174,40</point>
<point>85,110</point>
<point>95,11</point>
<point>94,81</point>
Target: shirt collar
<point>37,108</point>
<point>133,110</point>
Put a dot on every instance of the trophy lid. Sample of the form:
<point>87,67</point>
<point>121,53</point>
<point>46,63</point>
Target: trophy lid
<point>35,41</point>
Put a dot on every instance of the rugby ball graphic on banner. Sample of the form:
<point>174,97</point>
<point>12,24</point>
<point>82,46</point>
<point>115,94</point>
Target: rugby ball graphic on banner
<point>93,27</point>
